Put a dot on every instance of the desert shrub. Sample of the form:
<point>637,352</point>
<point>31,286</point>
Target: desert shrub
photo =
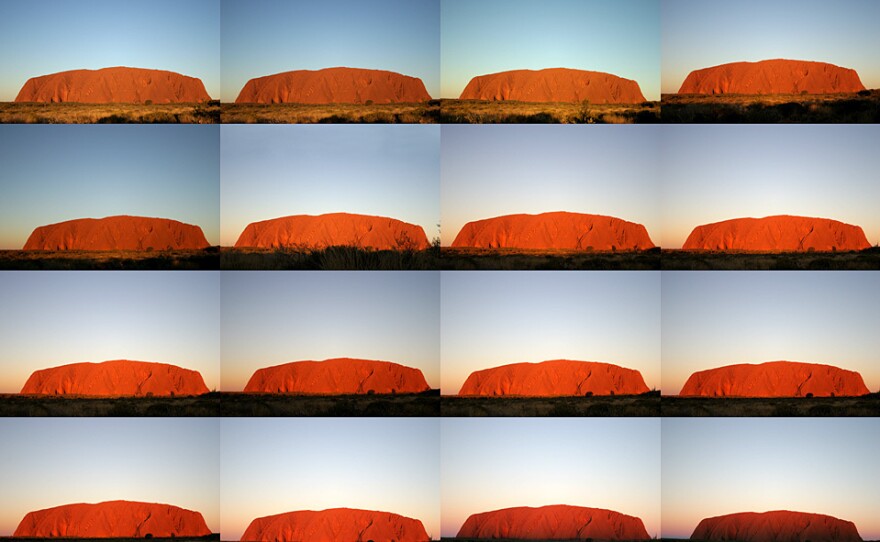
<point>864,93</point>
<point>602,409</point>
<point>820,410</point>
<point>148,102</point>
<point>368,102</point>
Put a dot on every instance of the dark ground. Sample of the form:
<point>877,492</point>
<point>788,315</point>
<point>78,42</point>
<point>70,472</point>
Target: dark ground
<point>35,405</point>
<point>112,113</point>
<point>645,405</point>
<point>700,260</point>
<point>32,260</point>
<point>868,405</point>
<point>513,112</point>
<point>522,259</point>
<point>407,113</point>
<point>425,404</point>
<point>208,538</point>
<point>332,258</point>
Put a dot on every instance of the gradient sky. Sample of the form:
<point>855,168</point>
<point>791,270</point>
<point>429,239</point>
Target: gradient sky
<point>711,319</point>
<point>51,36</point>
<point>50,174</point>
<point>497,318</point>
<point>713,467</point>
<point>265,37</point>
<point>489,171</point>
<point>272,466</point>
<point>621,37</point>
<point>51,319</point>
<point>54,461</point>
<point>699,35</point>
<point>274,171</point>
<point>493,463</point>
<point>714,173</point>
<point>270,318</point>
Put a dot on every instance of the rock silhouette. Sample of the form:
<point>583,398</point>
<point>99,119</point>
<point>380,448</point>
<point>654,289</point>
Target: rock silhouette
<point>335,525</point>
<point>117,233</point>
<point>334,85</point>
<point>553,85</point>
<point>777,76</point>
<point>782,233</point>
<point>334,229</point>
<point>114,378</point>
<point>555,378</point>
<point>775,379</point>
<point>336,377</point>
<point>555,522</point>
<point>777,526</point>
<point>114,85</point>
<point>555,230</point>
<point>112,519</point>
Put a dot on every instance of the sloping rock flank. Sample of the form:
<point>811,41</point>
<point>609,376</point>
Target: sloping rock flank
<point>775,379</point>
<point>336,377</point>
<point>555,522</point>
<point>334,85</point>
<point>553,85</point>
<point>115,378</point>
<point>114,85</point>
<point>555,378</point>
<point>782,233</point>
<point>555,230</point>
<point>334,229</point>
<point>777,76</point>
<point>777,526</point>
<point>113,519</point>
<point>335,525</point>
<point>117,233</point>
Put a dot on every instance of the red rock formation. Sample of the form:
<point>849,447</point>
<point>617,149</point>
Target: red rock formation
<point>334,229</point>
<point>113,519</point>
<point>775,379</point>
<point>777,526</point>
<point>114,85</point>
<point>555,378</point>
<point>553,85</point>
<point>781,233</point>
<point>555,522</point>
<point>556,230</point>
<point>334,85</point>
<point>113,378</point>
<point>335,525</point>
<point>117,233</point>
<point>336,377</point>
<point>772,77</point>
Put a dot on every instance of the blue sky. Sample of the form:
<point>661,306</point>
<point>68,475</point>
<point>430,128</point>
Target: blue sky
<point>274,171</point>
<point>494,318</point>
<point>714,173</point>
<point>54,461</point>
<point>53,319</point>
<point>270,318</point>
<point>713,467</point>
<point>51,36</point>
<point>264,37</point>
<point>699,34</point>
<point>489,171</point>
<point>50,174</point>
<point>276,465</point>
<point>711,319</point>
<point>621,37</point>
<point>493,463</point>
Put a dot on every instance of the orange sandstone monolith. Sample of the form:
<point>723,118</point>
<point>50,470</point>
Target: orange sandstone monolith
<point>555,378</point>
<point>112,519</point>
<point>776,526</point>
<point>117,233</point>
<point>337,377</point>
<point>114,85</point>
<point>115,378</point>
<point>335,525</point>
<point>334,85</point>
<point>775,379</point>
<point>778,76</point>
<point>554,85</point>
<point>554,230</point>
<point>554,522</point>
<point>782,233</point>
